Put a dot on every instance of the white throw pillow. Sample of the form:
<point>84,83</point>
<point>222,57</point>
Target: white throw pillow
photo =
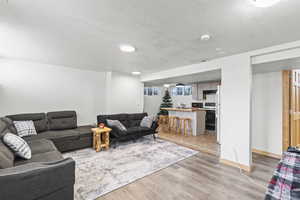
<point>25,128</point>
<point>117,124</point>
<point>17,145</point>
<point>147,121</point>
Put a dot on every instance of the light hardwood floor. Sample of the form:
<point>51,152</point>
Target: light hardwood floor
<point>200,177</point>
<point>205,143</point>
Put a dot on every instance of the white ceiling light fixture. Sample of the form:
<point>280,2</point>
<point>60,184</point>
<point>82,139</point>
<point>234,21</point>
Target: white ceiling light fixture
<point>127,48</point>
<point>264,3</point>
<point>136,73</point>
<point>166,85</point>
<point>205,37</point>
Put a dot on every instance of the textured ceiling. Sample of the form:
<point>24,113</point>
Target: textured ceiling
<point>86,33</point>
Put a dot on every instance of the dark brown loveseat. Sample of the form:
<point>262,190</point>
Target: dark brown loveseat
<point>47,175</point>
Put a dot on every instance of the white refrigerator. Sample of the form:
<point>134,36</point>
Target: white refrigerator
<point>218,114</point>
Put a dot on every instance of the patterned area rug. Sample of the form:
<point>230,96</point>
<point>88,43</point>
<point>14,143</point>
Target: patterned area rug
<point>100,173</point>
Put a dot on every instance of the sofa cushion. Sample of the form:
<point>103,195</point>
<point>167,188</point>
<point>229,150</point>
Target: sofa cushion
<point>138,130</point>
<point>17,145</point>
<point>7,157</point>
<point>62,120</point>
<point>55,135</point>
<point>84,131</point>
<point>41,146</point>
<point>39,120</point>
<point>41,157</point>
<point>123,118</point>
<point>135,119</point>
<point>9,125</point>
<point>25,128</point>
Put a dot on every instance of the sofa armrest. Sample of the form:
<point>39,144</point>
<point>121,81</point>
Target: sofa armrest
<point>154,125</point>
<point>36,180</point>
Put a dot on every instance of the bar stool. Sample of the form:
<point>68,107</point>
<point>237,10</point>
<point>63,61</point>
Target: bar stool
<point>187,126</point>
<point>181,125</point>
<point>173,123</point>
<point>163,122</point>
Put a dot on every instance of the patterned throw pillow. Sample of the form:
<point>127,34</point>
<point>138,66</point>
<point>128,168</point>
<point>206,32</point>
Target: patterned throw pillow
<point>147,121</point>
<point>25,128</point>
<point>17,145</point>
<point>117,124</point>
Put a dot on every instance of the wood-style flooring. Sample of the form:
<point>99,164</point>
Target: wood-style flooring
<point>200,177</point>
<point>205,143</point>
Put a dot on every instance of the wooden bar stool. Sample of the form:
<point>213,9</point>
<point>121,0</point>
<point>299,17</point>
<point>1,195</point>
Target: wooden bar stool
<point>187,126</point>
<point>163,122</point>
<point>181,125</point>
<point>173,124</point>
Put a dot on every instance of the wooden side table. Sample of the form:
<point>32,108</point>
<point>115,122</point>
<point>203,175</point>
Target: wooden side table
<point>100,138</point>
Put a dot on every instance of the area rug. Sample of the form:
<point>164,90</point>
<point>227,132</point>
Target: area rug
<point>105,171</point>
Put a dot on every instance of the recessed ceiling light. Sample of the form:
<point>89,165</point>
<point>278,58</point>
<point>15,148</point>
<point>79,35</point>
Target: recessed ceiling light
<point>127,48</point>
<point>205,37</point>
<point>218,49</point>
<point>136,73</point>
<point>264,3</point>
<point>166,85</point>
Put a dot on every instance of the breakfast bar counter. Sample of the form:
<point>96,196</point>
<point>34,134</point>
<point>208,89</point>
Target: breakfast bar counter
<point>197,116</point>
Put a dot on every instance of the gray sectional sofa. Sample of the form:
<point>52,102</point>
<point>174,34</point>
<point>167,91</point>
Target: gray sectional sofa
<point>47,175</point>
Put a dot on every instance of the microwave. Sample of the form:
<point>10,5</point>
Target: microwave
<point>197,105</point>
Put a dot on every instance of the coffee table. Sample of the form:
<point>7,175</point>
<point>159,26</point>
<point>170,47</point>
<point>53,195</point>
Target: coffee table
<point>100,138</point>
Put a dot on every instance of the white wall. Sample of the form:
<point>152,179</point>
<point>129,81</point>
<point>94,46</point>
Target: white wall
<point>126,94</point>
<point>33,87</point>
<point>267,112</point>
<point>152,103</point>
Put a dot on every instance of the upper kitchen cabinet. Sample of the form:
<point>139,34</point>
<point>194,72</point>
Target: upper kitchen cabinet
<point>198,88</point>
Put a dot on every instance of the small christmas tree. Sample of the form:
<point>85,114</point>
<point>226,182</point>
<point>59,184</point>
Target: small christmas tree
<point>167,103</point>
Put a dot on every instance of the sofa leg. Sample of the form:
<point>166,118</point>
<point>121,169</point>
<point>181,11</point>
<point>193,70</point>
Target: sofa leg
<point>115,145</point>
<point>154,137</point>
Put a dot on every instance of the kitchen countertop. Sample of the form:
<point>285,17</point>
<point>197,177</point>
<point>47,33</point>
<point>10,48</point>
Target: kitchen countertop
<point>187,109</point>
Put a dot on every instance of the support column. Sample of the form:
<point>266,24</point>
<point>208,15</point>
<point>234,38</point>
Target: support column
<point>235,111</point>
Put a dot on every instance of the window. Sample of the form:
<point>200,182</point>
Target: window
<point>151,91</point>
<point>155,91</point>
<point>174,91</point>
<point>180,91</point>
<point>187,90</point>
